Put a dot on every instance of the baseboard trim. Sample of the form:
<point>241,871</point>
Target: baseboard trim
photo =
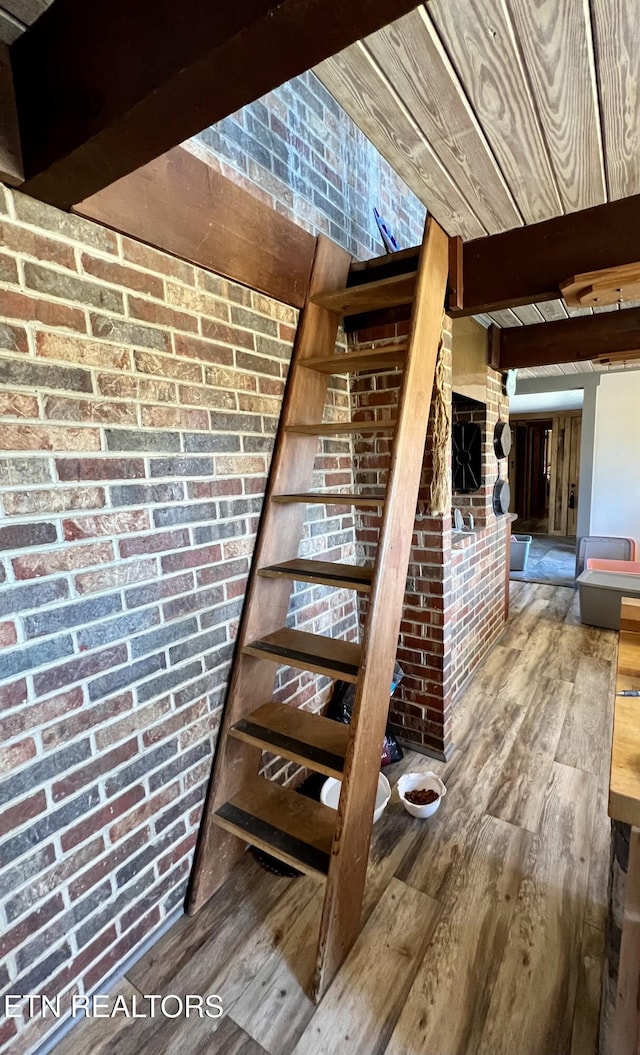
<point>69,1023</point>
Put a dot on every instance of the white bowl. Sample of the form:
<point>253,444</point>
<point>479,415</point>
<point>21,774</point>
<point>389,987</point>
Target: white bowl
<point>427,781</point>
<point>330,794</point>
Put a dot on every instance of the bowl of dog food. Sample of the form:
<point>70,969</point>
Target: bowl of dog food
<point>421,793</point>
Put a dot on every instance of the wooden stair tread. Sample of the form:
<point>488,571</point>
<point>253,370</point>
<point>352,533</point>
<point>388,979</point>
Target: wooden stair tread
<point>326,572</point>
<point>332,498</point>
<point>370,296</point>
<point>359,359</point>
<point>306,738</point>
<point>291,827</point>
<point>335,428</point>
<point>297,648</point>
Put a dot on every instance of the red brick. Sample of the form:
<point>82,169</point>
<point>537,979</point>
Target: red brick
<point>82,350</point>
<point>194,557</point>
<point>14,694</point>
<point>8,1030</point>
<point>161,315</point>
<point>167,366</point>
<point>156,543</point>
<point>213,488</point>
<point>148,808</point>
<point>174,417</point>
<point>48,438</point>
<point>18,405</point>
<point>53,678</point>
<point>87,718</point>
<point>35,565</point>
<point>219,332</point>
<point>94,949</point>
<point>106,763</point>
<point>121,275</point>
<point>16,755</point>
<point>39,714</point>
<point>28,243</point>
<point>100,468</point>
<point>108,864</point>
<point>125,386</point>
<point>120,951</point>
<point>176,721</point>
<point>141,718</point>
<point>97,821</point>
<point>206,351</point>
<point>220,399</point>
<point>104,412</point>
<point>121,575</point>
<point>13,338</point>
<point>106,524</point>
<point>14,816</point>
<point>8,634</point>
<point>60,500</point>
<point>154,260</point>
<point>33,309</point>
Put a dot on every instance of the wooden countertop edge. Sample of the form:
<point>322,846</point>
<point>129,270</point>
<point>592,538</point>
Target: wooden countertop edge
<point>624,780</point>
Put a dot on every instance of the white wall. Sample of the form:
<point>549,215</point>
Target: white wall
<point>615,501</point>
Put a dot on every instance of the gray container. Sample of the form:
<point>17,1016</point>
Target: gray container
<point>600,595</point>
<point>519,557</point>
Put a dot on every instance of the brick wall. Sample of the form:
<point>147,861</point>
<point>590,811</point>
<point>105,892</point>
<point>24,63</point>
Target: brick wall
<point>139,397</point>
<point>299,151</point>
<point>454,603</point>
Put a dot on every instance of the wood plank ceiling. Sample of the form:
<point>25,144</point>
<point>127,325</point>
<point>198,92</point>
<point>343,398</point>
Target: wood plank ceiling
<point>17,15</point>
<point>502,113</point>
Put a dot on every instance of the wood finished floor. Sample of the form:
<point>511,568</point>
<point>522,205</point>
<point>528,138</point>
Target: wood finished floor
<point>483,927</point>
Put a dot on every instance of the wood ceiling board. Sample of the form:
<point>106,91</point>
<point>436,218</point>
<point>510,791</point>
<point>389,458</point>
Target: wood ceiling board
<point>26,10</point>
<point>506,318</point>
<point>480,41</point>
<point>557,46</point>
<point>529,314</point>
<point>120,83</point>
<point>362,90</point>
<point>617,35</point>
<point>10,28</point>
<point>551,310</point>
<point>571,340</point>
<point>412,57</point>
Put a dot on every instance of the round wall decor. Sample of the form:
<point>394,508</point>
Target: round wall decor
<point>501,497</point>
<point>502,439</point>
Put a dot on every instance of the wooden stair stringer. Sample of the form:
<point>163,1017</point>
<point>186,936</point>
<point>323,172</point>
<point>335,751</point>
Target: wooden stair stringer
<point>347,871</point>
<point>267,599</point>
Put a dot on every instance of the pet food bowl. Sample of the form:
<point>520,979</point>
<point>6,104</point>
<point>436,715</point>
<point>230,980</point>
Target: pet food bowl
<point>423,781</point>
<point>330,794</point>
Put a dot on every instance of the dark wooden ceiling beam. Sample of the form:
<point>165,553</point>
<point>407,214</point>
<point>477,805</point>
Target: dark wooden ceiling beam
<point>181,205</point>
<point>106,86</point>
<point>10,152</point>
<point>528,264</point>
<point>575,340</point>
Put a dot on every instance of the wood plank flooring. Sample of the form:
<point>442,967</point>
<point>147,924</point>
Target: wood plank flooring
<point>483,926</point>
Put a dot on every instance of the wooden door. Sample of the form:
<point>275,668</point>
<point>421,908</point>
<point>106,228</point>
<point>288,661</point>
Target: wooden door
<point>565,473</point>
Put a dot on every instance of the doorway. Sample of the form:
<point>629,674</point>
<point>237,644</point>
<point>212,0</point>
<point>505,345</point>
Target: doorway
<point>544,467</point>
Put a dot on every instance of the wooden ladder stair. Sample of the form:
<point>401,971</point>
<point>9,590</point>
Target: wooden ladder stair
<point>243,807</point>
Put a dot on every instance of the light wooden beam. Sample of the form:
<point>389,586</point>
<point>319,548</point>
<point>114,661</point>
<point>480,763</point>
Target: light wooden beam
<point>580,339</point>
<point>179,204</point>
<point>105,87</point>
